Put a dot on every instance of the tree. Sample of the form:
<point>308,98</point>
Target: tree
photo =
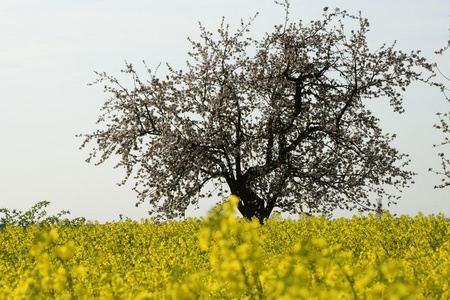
<point>280,122</point>
<point>444,126</point>
<point>36,215</point>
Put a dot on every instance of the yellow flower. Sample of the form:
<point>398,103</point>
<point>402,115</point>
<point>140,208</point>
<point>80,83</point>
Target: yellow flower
<point>66,251</point>
<point>234,200</point>
<point>226,257</point>
<point>60,279</point>
<point>78,271</point>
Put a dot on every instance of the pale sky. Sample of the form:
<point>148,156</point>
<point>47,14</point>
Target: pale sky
<point>50,48</point>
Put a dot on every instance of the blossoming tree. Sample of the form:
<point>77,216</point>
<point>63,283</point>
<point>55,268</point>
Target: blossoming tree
<point>281,122</point>
<point>444,126</point>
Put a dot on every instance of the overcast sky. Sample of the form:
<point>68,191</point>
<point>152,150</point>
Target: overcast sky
<point>49,50</point>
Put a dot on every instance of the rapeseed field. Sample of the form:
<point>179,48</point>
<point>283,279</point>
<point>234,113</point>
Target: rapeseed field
<point>224,257</point>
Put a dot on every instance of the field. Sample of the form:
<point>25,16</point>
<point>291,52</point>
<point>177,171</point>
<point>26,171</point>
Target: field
<point>223,257</point>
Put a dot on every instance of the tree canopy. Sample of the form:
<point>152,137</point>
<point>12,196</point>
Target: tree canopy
<point>281,122</point>
<point>444,126</point>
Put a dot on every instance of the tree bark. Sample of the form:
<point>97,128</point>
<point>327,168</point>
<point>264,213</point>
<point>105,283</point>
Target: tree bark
<point>251,205</point>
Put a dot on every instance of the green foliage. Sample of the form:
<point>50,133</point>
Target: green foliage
<point>37,215</point>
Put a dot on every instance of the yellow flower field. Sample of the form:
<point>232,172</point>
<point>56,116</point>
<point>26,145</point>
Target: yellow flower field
<point>223,257</point>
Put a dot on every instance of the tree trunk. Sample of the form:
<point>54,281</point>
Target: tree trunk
<point>251,205</point>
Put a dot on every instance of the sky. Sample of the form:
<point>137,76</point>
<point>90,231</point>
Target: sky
<point>49,50</point>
